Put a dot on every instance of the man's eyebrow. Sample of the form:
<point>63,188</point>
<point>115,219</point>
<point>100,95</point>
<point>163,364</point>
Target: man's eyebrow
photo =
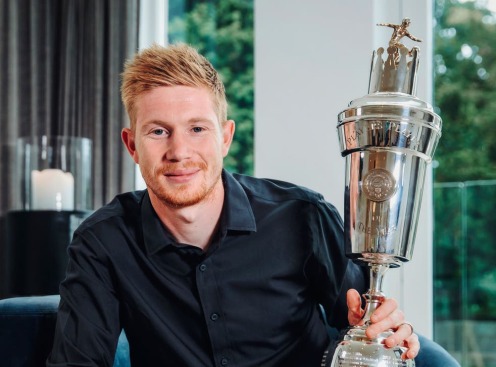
<point>201,119</point>
<point>146,125</point>
<point>154,122</point>
<point>161,123</point>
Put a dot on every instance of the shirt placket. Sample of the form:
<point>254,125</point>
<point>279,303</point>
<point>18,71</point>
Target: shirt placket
<point>215,318</point>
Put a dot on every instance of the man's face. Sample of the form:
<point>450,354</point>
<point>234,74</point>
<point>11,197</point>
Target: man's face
<point>179,144</point>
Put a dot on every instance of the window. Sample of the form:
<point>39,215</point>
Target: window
<point>222,30</point>
<point>465,181</point>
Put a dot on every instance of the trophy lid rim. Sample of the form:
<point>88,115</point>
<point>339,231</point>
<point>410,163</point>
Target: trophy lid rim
<point>395,106</point>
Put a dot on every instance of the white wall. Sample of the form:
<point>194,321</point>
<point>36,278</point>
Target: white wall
<point>311,59</point>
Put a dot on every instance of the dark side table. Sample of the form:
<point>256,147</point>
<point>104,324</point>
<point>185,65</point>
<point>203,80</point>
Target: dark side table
<point>36,250</point>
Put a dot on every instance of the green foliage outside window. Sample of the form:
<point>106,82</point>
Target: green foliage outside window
<point>222,30</point>
<point>465,181</point>
<point>465,93</point>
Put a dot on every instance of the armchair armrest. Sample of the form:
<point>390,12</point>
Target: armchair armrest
<point>27,326</point>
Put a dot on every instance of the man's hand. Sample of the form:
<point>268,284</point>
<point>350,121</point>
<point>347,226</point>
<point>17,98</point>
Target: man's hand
<point>387,316</point>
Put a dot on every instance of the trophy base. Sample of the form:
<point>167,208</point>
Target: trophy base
<point>356,350</point>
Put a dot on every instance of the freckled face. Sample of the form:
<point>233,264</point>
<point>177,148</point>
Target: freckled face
<point>179,144</point>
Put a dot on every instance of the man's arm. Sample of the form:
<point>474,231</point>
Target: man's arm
<point>332,273</point>
<point>88,326</point>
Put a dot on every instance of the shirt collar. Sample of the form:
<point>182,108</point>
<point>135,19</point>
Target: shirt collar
<point>237,215</point>
<point>237,209</point>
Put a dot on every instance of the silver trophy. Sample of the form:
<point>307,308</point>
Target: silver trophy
<point>388,138</point>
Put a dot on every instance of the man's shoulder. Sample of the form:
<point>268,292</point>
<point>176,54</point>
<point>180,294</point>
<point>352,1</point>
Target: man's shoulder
<point>276,190</point>
<point>124,208</point>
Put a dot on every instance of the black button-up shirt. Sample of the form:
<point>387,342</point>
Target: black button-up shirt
<point>251,299</point>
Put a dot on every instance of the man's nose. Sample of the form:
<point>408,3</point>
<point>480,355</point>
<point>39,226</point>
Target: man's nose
<point>177,147</point>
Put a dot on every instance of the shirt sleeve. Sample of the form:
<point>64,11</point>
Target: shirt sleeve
<point>331,273</point>
<point>88,327</point>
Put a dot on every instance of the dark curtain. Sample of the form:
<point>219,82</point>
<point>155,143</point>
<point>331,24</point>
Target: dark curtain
<point>60,71</point>
<point>60,65</point>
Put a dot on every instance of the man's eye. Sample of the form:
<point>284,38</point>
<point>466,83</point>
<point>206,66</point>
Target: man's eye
<point>197,129</point>
<point>158,132</point>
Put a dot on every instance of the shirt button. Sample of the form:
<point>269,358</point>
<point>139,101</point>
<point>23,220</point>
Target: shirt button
<point>214,317</point>
<point>224,361</point>
<point>203,267</point>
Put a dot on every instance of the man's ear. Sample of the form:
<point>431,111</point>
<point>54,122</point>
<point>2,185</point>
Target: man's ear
<point>127,136</point>
<point>227,136</point>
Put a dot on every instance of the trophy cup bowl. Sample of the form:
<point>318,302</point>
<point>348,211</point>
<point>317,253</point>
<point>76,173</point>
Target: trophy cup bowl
<point>388,138</point>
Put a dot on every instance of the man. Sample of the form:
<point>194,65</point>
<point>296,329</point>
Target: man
<point>205,268</point>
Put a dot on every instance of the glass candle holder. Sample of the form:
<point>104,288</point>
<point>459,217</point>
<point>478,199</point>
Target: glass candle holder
<point>54,173</point>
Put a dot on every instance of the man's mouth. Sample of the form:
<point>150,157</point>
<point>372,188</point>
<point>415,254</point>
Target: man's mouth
<point>182,175</point>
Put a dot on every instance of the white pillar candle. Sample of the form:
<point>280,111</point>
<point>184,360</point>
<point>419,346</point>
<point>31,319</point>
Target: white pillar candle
<point>52,189</point>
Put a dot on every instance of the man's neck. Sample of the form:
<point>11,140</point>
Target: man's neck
<point>196,224</point>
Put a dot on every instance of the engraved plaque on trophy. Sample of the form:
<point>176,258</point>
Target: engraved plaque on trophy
<point>388,138</point>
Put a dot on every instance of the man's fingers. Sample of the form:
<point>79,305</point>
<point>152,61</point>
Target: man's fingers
<point>390,321</point>
<point>413,345</point>
<point>388,307</point>
<point>386,317</point>
<point>355,311</point>
<point>404,337</point>
<point>401,335</point>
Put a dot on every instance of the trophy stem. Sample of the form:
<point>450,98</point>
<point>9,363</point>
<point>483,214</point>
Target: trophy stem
<point>374,296</point>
